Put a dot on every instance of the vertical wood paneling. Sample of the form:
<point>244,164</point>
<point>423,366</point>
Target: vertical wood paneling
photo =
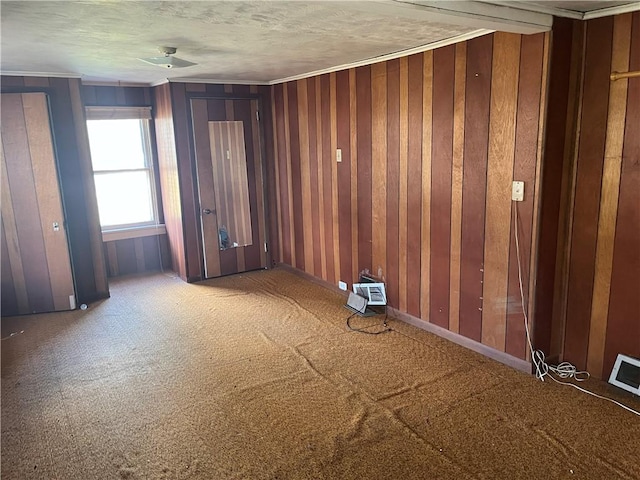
<point>283,173</point>
<point>476,138</point>
<point>409,201</point>
<point>353,163</point>
<point>502,129</point>
<point>45,178</point>
<point>328,182</point>
<point>305,175</point>
<point>169,179</point>
<point>138,255</point>
<point>334,176</point>
<point>206,192</point>
<point>403,183</point>
<point>414,182</point>
<point>425,227</point>
<point>343,139</point>
<point>393,181</point>
<point>363,122</point>
<point>623,321</point>
<point>320,175</point>
<point>524,169</point>
<point>587,188</point>
<point>10,233</point>
<point>456,186</point>
<point>296,176</point>
<point>315,184</point>
<point>279,224</point>
<point>441,161</point>
<point>379,169</point>
<point>20,179</point>
<point>609,194</point>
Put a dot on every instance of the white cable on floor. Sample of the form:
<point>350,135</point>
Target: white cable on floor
<point>543,369</point>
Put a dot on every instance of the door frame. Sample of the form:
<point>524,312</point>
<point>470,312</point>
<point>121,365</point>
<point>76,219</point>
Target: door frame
<point>190,96</point>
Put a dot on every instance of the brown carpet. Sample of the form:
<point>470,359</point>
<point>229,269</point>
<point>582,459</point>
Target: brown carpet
<point>256,377</point>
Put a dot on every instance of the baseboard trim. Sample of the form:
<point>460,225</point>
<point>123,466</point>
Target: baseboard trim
<point>502,357</point>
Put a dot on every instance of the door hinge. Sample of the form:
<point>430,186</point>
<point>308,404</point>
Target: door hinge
<point>257,116</point>
<point>265,247</point>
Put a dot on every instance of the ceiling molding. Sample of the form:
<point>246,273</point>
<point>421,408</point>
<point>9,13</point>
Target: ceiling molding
<point>561,12</point>
<point>473,13</point>
<point>384,58</point>
<point>114,83</point>
<point>605,12</point>
<point>217,81</point>
<point>40,74</point>
<point>159,82</point>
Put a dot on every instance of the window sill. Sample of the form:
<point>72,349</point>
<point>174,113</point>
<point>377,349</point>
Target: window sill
<point>134,232</point>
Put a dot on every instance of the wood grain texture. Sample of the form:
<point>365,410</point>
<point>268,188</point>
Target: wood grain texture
<point>305,175</point>
<point>45,178</point>
<point>364,148</point>
<point>379,169</point>
<point>457,173</point>
<point>315,184</point>
<point>353,163</point>
<point>328,181</point>
<point>296,176</point>
<point>24,200</point>
<point>86,170</point>
<point>169,180</point>
<point>142,255</point>
<point>587,188</point>
<point>425,225</point>
<point>441,162</point>
<point>393,182</point>
<point>403,178</point>
<point>476,138</point>
<point>409,201</point>
<point>414,182</point>
<point>321,177</point>
<point>279,222</point>
<point>343,171</point>
<point>502,129</point>
<point>334,177</point>
<point>206,193</point>
<point>607,215</point>
<point>623,320</point>
<point>16,281</point>
<point>524,169</point>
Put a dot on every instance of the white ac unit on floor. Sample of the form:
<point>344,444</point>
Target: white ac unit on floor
<point>626,374</point>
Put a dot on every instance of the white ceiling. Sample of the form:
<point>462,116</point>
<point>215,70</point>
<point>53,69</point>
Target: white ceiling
<point>238,41</point>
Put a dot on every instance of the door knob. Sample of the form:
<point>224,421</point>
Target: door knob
<point>207,211</point>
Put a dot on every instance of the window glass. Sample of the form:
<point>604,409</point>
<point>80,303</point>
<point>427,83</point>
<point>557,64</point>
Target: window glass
<point>116,144</point>
<point>123,172</point>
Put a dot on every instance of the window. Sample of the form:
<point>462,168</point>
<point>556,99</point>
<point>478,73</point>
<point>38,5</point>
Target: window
<point>122,166</point>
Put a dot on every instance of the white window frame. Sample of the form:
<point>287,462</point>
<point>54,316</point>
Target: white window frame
<point>153,226</point>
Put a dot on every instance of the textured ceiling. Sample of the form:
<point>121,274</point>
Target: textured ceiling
<point>237,40</point>
<point>257,41</point>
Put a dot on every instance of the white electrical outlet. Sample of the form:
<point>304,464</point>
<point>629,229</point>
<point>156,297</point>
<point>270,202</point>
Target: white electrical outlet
<point>342,285</point>
<point>339,159</point>
<point>517,191</point>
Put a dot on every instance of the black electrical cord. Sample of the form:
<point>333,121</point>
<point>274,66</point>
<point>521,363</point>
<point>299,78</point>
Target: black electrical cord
<point>362,330</point>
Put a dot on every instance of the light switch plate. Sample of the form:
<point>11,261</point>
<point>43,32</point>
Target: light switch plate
<point>339,155</point>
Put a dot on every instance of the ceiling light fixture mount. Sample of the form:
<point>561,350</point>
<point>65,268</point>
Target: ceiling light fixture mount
<point>168,61</point>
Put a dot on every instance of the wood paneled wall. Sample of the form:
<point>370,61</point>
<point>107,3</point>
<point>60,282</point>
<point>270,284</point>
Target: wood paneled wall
<point>76,179</point>
<point>177,168</point>
<point>422,197</point>
<point>140,254</point>
<point>169,177</point>
<point>594,274</point>
<point>137,255</point>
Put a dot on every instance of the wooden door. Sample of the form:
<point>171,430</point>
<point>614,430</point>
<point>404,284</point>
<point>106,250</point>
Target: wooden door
<point>230,185</point>
<point>36,266</point>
